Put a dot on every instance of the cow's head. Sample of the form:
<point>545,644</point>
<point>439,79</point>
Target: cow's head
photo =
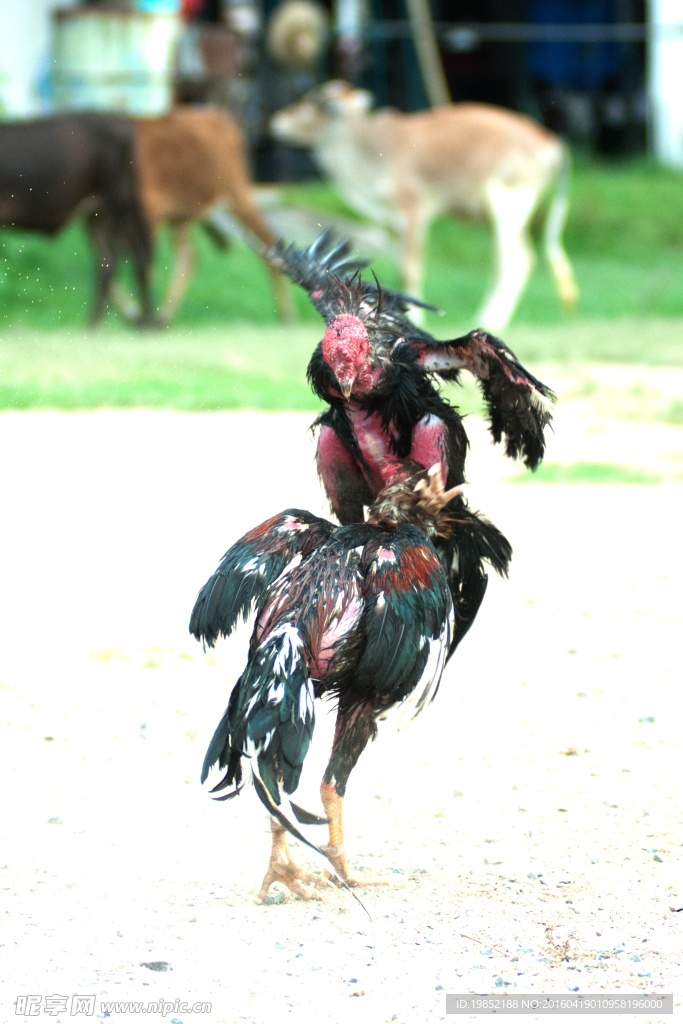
<point>303,122</point>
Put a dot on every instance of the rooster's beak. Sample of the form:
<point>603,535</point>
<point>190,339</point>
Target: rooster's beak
<point>346,387</point>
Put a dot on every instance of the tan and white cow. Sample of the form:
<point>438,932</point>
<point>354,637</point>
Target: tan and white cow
<point>472,159</point>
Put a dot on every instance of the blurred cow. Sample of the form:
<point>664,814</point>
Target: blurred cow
<point>472,159</point>
<point>55,169</point>
<point>190,164</point>
<point>125,177</point>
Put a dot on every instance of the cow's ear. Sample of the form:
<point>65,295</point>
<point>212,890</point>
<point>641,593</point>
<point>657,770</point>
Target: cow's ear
<point>339,97</point>
<point>331,95</point>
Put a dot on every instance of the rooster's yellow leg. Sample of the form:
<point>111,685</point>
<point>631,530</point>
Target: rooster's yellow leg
<point>283,868</point>
<point>334,812</point>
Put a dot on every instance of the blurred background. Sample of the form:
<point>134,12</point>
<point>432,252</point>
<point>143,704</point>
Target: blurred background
<point>604,74</point>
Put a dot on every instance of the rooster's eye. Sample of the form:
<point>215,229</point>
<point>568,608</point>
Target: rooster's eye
<point>338,332</point>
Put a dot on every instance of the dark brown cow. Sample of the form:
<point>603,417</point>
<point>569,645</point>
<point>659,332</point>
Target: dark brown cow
<point>79,164</point>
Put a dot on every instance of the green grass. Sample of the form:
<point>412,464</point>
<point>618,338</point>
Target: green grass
<point>48,284</point>
<point>673,414</point>
<point>587,473</point>
<point>226,349</point>
<point>260,367</point>
<point>647,341</point>
<point>625,236</point>
<point>192,370</point>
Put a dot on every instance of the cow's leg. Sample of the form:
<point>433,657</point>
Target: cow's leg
<point>510,210</point>
<point>102,238</point>
<point>413,233</point>
<point>561,268</point>
<point>247,213</point>
<point>283,300</point>
<point>129,306</point>
<point>139,238</point>
<point>183,267</point>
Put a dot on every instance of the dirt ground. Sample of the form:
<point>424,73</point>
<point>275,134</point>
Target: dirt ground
<point>529,825</point>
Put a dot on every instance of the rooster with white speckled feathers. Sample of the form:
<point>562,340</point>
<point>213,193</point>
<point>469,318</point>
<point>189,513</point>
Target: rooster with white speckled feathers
<point>374,368</point>
<point>359,614</point>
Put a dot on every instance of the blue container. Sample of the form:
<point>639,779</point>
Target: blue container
<point>158,6</point>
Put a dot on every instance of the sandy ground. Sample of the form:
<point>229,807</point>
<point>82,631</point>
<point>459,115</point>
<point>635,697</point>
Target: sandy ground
<point>528,825</point>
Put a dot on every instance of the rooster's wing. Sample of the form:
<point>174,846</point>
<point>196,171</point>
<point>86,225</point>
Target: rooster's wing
<point>408,620</point>
<point>248,569</point>
<point>331,276</point>
<point>519,405</point>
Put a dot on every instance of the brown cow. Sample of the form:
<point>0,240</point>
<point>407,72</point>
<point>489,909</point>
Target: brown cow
<point>190,161</point>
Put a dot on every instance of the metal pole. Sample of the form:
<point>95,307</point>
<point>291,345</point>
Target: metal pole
<point>429,58</point>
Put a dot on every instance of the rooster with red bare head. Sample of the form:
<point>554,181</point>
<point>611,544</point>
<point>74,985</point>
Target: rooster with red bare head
<point>374,368</point>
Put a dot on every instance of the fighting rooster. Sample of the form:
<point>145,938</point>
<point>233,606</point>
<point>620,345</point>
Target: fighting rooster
<point>373,369</point>
<point>361,614</point>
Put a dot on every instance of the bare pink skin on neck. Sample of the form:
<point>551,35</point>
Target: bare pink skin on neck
<point>336,464</point>
<point>345,349</point>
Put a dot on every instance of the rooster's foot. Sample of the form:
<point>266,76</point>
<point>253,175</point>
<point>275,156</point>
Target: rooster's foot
<point>339,862</point>
<point>283,868</point>
<point>353,882</point>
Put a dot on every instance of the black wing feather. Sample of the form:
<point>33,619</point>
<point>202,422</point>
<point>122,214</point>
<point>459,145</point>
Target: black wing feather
<point>519,405</point>
<point>249,567</point>
<point>331,276</point>
<point>316,268</point>
<point>407,605</point>
<point>474,540</point>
